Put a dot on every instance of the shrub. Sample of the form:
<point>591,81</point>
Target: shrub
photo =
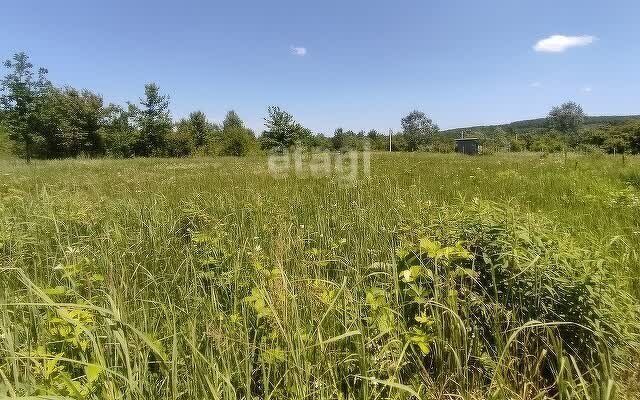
<point>517,145</point>
<point>475,276</point>
<point>236,141</point>
<point>179,144</point>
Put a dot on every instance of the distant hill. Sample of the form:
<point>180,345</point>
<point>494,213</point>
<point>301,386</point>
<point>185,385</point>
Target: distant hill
<point>534,124</point>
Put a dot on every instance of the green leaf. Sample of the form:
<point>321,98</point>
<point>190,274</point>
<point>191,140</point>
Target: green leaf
<point>411,274</point>
<point>273,356</point>
<point>430,247</point>
<point>56,291</point>
<point>421,339</point>
<point>424,319</point>
<point>93,372</point>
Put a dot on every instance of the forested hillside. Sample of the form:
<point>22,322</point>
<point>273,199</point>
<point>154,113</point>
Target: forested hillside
<point>539,123</point>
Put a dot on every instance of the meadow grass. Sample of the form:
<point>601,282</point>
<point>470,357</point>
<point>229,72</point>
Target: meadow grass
<point>436,276</point>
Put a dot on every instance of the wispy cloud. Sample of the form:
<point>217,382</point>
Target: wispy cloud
<point>561,43</point>
<point>299,51</point>
<point>535,84</point>
<point>587,89</point>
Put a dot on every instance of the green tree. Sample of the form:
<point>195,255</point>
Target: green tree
<point>231,120</point>
<point>339,139</point>
<point>153,121</point>
<point>50,124</point>
<point>377,141</point>
<point>199,127</point>
<point>21,90</point>
<point>517,144</point>
<point>495,139</point>
<point>236,139</point>
<point>213,141</point>
<point>615,145</point>
<point>622,136</point>
<point>70,121</point>
<point>320,141</point>
<point>566,118</point>
<point>118,132</point>
<point>179,142</point>
<point>282,130</point>
<point>417,129</point>
<point>631,131</point>
<point>351,142</point>
<point>398,142</point>
<point>88,113</point>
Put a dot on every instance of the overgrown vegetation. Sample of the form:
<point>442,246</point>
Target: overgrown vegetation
<point>506,276</point>
<point>612,135</point>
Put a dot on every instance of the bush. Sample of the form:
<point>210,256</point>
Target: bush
<point>474,277</point>
<point>179,144</point>
<point>236,141</point>
<point>517,145</point>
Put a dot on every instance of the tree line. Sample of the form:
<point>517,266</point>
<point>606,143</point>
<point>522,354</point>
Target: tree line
<point>45,121</point>
<point>41,120</point>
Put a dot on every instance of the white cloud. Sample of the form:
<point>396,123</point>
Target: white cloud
<point>535,84</point>
<point>587,89</point>
<point>560,43</point>
<point>299,51</point>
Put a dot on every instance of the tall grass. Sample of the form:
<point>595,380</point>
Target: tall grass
<point>439,276</point>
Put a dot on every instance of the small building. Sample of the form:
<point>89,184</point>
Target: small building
<point>468,146</point>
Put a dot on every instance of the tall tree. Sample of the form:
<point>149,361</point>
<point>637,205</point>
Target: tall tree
<point>320,141</point>
<point>376,140</point>
<point>417,129</point>
<point>179,141</point>
<point>232,120</point>
<point>567,117</point>
<point>154,122</point>
<point>70,120</point>
<point>236,139</point>
<point>282,130</point>
<point>118,131</point>
<point>339,139</point>
<point>21,90</point>
<point>199,127</point>
<point>88,113</point>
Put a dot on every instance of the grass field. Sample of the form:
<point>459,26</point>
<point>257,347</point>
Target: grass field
<point>435,277</point>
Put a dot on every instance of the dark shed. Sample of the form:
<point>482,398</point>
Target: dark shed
<point>468,146</point>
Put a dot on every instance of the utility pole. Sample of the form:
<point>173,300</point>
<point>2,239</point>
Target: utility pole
<point>390,135</point>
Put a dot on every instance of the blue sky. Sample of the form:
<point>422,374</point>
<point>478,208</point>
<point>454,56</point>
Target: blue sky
<point>352,64</point>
